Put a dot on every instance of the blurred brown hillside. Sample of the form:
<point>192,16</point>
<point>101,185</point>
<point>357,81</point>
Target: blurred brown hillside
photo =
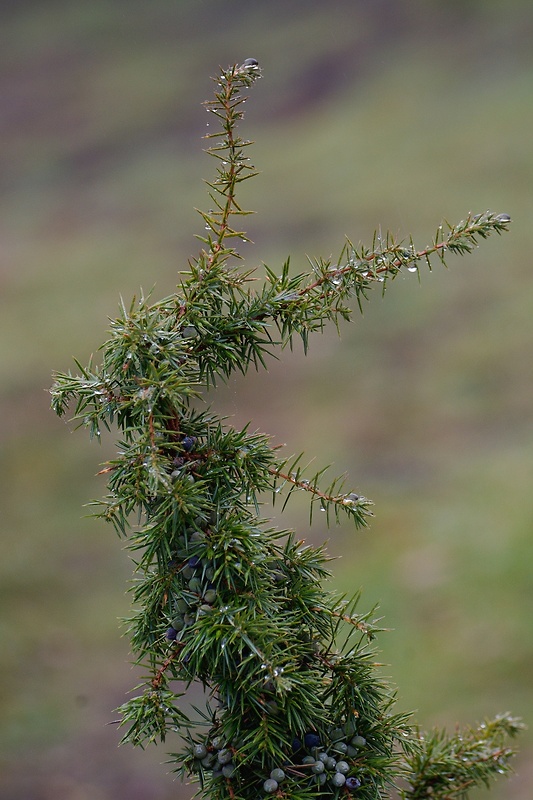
<point>393,114</point>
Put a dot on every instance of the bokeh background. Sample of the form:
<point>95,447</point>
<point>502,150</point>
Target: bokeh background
<point>392,112</point>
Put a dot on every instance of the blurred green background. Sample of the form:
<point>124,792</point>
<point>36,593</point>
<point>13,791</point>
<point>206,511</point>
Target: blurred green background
<point>374,113</point>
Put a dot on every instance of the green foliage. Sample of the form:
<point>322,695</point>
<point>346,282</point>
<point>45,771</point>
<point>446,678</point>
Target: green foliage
<point>295,704</point>
<point>448,767</point>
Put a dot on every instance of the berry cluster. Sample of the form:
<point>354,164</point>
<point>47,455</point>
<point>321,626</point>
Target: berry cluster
<point>216,758</point>
<point>311,764</point>
<point>332,764</point>
<point>198,591</point>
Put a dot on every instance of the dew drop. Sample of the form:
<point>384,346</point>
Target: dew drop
<point>412,269</point>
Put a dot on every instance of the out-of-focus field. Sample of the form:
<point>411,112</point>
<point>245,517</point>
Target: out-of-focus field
<point>396,114</point>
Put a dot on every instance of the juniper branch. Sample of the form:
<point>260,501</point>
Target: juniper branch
<point>295,706</point>
<point>447,767</point>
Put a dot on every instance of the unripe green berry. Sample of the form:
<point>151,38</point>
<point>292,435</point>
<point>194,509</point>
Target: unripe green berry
<point>195,585</point>
<point>277,775</point>
<point>210,595</point>
<point>342,766</point>
<point>349,727</point>
<point>199,751</point>
<point>318,767</point>
<point>340,747</point>
<point>270,785</point>
<point>358,741</point>
<point>189,332</point>
<point>338,779</point>
<point>228,770</point>
<point>224,756</point>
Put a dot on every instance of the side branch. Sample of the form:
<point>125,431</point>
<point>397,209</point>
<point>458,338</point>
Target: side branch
<point>159,676</point>
<point>354,505</point>
<point>389,257</point>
